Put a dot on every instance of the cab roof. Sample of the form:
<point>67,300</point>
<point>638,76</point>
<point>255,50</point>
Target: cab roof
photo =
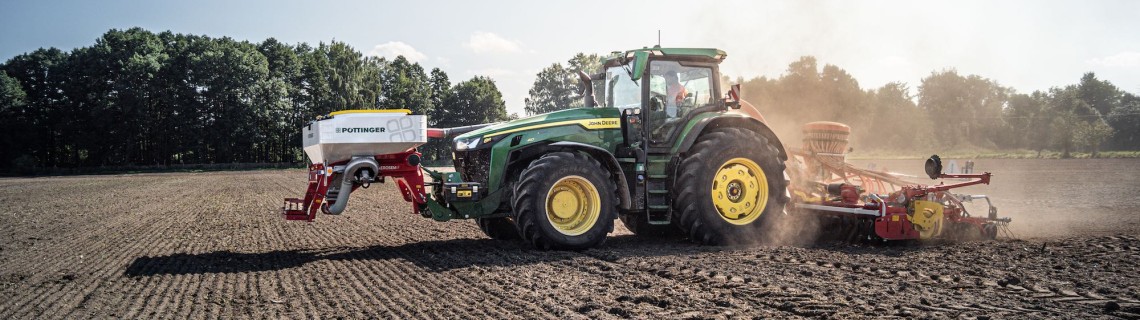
<point>698,54</point>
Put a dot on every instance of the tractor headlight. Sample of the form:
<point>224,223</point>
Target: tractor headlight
<point>469,144</point>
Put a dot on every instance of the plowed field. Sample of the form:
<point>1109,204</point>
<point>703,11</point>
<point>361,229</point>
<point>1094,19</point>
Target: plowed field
<point>212,245</point>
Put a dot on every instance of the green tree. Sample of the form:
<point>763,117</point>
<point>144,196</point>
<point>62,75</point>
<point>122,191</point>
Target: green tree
<point>12,96</point>
<point>590,64</point>
<point>180,95</point>
<point>1091,134</point>
<point>806,93</point>
<point>283,112</point>
<point>895,122</point>
<point>1125,120</point>
<point>229,74</point>
<point>406,86</point>
<point>129,62</point>
<point>348,77</point>
<point>552,91</point>
<point>441,95</point>
<point>139,98</point>
<point>12,102</point>
<point>442,116</point>
<point>39,124</point>
<point>1067,110</point>
<point>556,87</point>
<point>1100,95</point>
<point>478,101</point>
<point>1027,119</point>
<point>967,109</point>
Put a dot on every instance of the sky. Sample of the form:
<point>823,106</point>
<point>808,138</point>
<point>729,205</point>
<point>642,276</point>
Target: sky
<point>1026,45</point>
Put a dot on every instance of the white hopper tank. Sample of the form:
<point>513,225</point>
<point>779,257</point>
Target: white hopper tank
<point>344,134</point>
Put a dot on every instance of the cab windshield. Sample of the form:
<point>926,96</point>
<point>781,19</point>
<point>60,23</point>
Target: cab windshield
<point>621,91</point>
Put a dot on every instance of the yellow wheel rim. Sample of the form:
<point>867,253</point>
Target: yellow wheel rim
<point>740,191</point>
<point>573,205</point>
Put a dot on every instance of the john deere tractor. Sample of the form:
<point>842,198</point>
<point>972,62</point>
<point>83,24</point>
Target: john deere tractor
<point>667,151</point>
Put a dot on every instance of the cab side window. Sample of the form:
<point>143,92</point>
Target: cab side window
<point>674,91</point>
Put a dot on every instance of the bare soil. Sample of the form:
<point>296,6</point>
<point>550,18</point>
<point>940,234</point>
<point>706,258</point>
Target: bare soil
<point>211,245</point>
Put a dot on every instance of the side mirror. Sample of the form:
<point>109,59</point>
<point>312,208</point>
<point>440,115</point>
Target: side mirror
<point>640,61</point>
<point>733,100</point>
<point>934,167</point>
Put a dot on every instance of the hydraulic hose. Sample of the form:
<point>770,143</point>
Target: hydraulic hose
<point>349,177</point>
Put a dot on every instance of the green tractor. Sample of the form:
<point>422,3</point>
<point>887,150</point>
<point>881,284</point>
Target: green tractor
<point>667,152</point>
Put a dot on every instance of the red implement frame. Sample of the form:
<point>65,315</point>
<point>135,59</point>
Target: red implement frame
<point>398,166</point>
<point>895,226</point>
<point>890,218</point>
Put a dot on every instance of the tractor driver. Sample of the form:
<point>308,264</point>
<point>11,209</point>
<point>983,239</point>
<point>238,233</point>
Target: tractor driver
<point>675,94</point>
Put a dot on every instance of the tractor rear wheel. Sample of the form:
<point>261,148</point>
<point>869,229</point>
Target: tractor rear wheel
<point>564,200</point>
<point>730,187</point>
<point>498,228</point>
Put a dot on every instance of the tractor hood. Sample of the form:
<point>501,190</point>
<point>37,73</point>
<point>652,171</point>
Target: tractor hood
<point>589,118</point>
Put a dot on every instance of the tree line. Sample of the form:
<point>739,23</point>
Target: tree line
<point>138,98</point>
<point>948,111</point>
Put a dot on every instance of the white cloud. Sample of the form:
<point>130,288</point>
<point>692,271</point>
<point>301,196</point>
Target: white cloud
<point>443,61</point>
<point>894,62</point>
<point>1123,59</point>
<point>393,49</point>
<point>486,42</point>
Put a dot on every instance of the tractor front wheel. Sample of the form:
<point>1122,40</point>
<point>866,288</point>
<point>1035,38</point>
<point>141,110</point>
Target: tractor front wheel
<point>565,201</point>
<point>731,185</point>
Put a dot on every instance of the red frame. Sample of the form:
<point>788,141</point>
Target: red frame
<point>408,177</point>
<point>893,223</point>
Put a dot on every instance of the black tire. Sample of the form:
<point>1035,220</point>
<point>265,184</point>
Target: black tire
<point>639,225</point>
<point>989,232</point>
<point>693,205</point>
<point>498,228</point>
<point>536,183</point>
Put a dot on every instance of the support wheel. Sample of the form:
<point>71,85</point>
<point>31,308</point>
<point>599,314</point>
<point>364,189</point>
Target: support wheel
<point>565,201</point>
<point>498,228</point>
<point>731,186</point>
<point>989,232</point>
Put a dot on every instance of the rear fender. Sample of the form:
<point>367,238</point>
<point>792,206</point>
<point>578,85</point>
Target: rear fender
<point>728,121</point>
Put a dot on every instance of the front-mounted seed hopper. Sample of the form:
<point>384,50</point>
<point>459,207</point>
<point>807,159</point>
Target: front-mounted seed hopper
<point>354,148</point>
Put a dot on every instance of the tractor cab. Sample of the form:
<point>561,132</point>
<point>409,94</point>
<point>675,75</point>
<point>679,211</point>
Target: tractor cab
<point>663,87</point>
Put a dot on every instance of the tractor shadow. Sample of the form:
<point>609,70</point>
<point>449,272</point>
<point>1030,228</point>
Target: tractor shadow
<point>452,254</point>
<point>434,256</point>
